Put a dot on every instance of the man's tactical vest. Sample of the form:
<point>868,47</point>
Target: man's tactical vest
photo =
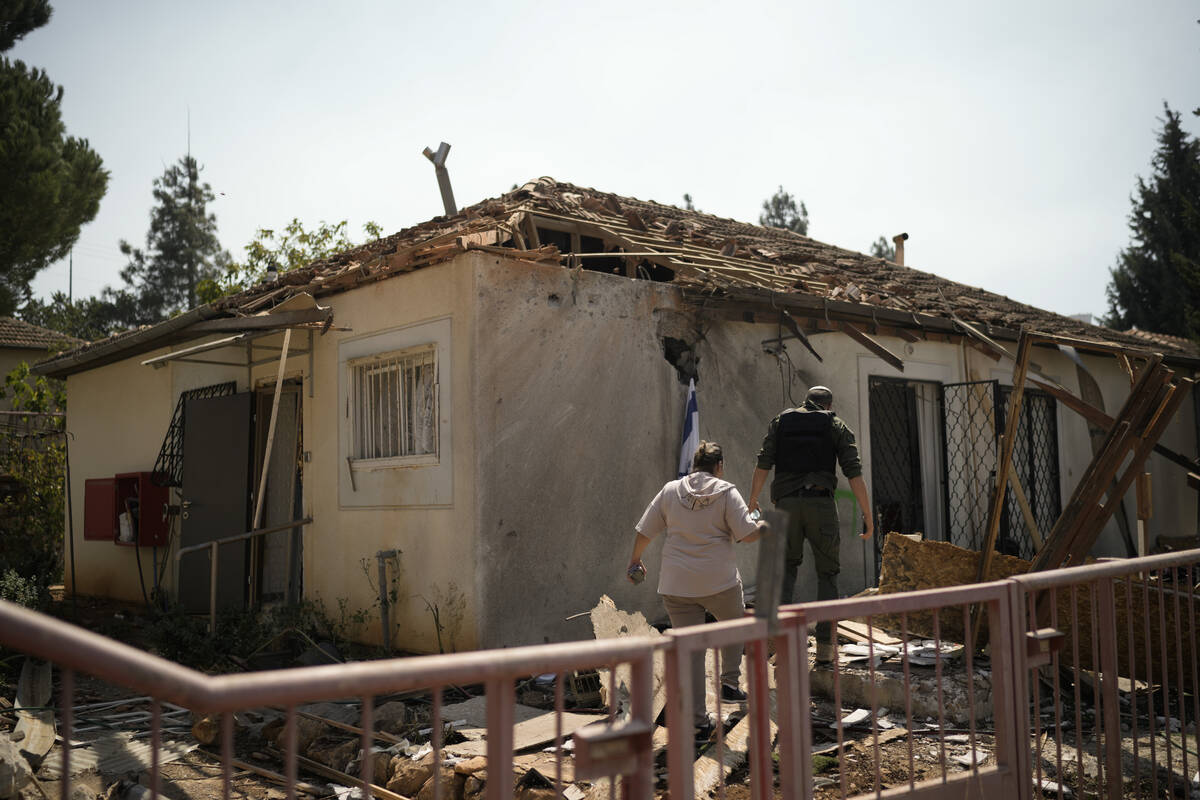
<point>804,442</point>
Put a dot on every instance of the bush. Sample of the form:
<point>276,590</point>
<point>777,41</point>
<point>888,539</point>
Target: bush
<point>32,468</point>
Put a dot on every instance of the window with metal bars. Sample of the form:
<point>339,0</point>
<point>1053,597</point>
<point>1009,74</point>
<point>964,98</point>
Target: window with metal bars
<point>393,407</point>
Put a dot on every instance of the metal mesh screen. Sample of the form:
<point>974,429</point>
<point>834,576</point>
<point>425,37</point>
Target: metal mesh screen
<point>168,467</point>
<point>1035,462</point>
<point>969,420</point>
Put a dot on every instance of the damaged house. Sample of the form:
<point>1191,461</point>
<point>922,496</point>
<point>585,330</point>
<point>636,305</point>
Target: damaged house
<point>456,427</point>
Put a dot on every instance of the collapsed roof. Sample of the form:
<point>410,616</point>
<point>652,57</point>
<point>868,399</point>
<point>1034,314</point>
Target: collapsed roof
<point>748,271</point>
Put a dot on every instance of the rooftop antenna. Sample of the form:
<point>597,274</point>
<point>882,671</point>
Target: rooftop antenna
<point>443,177</point>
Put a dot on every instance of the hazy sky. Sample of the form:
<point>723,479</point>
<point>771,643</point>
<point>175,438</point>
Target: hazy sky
<point>1003,137</point>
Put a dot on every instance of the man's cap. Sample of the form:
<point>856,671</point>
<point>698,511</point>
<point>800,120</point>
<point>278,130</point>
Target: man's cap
<point>820,395</point>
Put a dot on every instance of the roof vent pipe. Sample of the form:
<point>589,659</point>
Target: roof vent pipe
<point>439,166</point>
<point>899,239</point>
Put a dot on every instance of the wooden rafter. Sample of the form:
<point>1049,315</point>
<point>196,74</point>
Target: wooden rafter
<point>875,347</point>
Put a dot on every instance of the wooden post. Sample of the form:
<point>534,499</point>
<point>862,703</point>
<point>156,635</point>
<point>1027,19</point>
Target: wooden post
<point>213,551</point>
<point>1145,509</point>
<point>1004,466</point>
<point>262,481</point>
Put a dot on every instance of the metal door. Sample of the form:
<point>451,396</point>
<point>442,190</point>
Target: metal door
<point>971,435</point>
<point>215,497</point>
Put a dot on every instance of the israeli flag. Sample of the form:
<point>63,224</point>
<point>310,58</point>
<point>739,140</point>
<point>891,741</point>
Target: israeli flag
<point>691,431</point>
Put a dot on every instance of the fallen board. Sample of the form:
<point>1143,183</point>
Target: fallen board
<point>531,732</point>
<point>862,633</point>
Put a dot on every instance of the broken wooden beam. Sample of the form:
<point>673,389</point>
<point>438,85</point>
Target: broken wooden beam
<point>875,347</point>
<point>799,334</point>
<point>1097,417</point>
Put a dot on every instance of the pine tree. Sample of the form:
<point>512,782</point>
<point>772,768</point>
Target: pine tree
<point>182,248</point>
<point>1156,282</point>
<point>882,248</point>
<point>50,183</point>
<point>781,211</point>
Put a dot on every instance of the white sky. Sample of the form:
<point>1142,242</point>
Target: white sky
<point>1004,138</point>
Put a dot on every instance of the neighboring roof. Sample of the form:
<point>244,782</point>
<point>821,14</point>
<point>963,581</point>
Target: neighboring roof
<point>715,260</point>
<point>18,334</point>
<point>1165,340</point>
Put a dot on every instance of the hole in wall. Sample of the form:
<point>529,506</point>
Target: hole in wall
<point>683,358</point>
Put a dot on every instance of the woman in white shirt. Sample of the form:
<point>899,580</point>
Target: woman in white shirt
<point>702,516</point>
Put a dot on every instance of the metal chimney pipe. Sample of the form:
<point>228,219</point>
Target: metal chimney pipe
<point>899,240</point>
<point>443,177</point>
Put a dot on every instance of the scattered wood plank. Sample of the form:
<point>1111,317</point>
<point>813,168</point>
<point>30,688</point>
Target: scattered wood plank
<point>345,779</point>
<point>863,633</point>
<point>274,777</point>
<point>333,723</point>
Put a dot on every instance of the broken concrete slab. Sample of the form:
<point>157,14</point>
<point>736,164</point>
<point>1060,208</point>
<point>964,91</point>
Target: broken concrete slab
<point>15,771</point>
<point>889,690</point>
<point>609,622</point>
<point>34,731</point>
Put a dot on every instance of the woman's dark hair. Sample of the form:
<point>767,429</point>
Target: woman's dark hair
<point>708,455</point>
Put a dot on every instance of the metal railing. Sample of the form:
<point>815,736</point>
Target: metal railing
<point>1122,659</point>
<point>1057,704</point>
<point>213,547</point>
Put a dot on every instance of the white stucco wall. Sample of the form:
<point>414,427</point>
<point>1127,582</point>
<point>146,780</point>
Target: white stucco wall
<point>435,539</point>
<point>116,419</point>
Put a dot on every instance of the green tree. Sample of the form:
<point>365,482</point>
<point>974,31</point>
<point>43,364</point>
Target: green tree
<point>19,17</point>
<point>781,211</point>
<point>31,499</point>
<point>50,183</point>
<point>280,251</point>
<point>1156,282</point>
<point>182,249</point>
<point>90,318</point>
<point>882,248</point>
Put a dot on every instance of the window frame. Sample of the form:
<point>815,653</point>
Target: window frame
<point>397,461</point>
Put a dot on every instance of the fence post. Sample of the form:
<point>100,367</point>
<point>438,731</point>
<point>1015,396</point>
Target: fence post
<point>640,785</point>
<point>500,712</point>
<point>680,744</point>
<point>1106,600</point>
<point>795,747</point>
<point>1010,674</point>
<point>759,708</point>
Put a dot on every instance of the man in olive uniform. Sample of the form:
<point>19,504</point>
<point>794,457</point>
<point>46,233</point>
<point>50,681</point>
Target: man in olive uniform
<point>803,444</point>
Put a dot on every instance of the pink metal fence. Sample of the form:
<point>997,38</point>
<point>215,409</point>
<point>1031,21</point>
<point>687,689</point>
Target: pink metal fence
<point>1057,697</point>
<point>1112,704</point>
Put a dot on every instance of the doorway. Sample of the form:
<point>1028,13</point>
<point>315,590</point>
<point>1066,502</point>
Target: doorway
<point>906,458</point>
<point>276,558</point>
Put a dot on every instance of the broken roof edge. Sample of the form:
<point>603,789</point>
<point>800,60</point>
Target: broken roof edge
<point>839,310</point>
<point>122,346</point>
